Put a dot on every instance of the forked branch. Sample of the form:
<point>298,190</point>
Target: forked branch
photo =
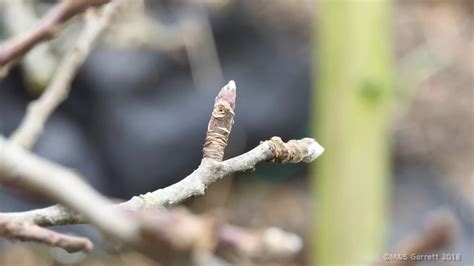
<point>41,109</point>
<point>14,49</point>
<point>17,230</point>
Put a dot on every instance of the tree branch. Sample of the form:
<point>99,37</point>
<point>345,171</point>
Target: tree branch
<point>40,63</point>
<point>24,170</point>
<point>41,109</point>
<point>17,230</point>
<point>193,185</point>
<point>47,29</point>
<point>268,243</point>
<point>21,168</point>
<point>209,171</point>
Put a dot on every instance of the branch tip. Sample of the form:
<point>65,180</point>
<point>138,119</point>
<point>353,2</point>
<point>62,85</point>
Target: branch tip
<point>228,93</point>
<point>294,151</point>
<point>221,122</point>
<point>281,242</point>
<point>314,148</point>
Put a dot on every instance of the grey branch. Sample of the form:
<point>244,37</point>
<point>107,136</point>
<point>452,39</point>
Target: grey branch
<point>14,49</point>
<point>21,168</point>
<point>194,184</point>
<point>17,230</point>
<point>269,243</point>
<point>40,63</point>
<point>24,170</point>
<point>41,109</point>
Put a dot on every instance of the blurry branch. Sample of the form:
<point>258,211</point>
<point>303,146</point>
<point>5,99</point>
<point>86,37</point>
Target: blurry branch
<point>200,48</point>
<point>47,29</point>
<point>210,169</point>
<point>192,33</point>
<point>40,63</point>
<point>195,238</point>
<point>188,236</point>
<point>195,184</point>
<point>17,230</point>
<point>39,110</point>
<point>21,168</point>
<point>439,232</point>
<point>211,5</point>
<point>269,243</point>
<point>138,28</point>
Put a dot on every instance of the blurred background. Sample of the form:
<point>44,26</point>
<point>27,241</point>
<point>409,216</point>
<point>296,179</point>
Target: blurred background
<point>385,86</point>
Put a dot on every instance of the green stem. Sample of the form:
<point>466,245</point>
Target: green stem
<point>352,118</point>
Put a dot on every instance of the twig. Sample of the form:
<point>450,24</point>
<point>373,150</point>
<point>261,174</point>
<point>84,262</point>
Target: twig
<point>16,230</point>
<point>269,243</point>
<point>25,170</point>
<point>47,29</point>
<point>187,235</point>
<point>200,46</point>
<point>41,109</point>
<point>209,170</point>
<point>193,185</point>
<point>40,63</point>
<point>22,169</point>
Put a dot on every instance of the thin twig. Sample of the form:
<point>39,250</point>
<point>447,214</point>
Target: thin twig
<point>16,230</point>
<point>21,168</point>
<point>268,243</point>
<point>40,63</point>
<point>11,51</point>
<point>41,109</point>
<point>209,171</point>
<point>193,185</point>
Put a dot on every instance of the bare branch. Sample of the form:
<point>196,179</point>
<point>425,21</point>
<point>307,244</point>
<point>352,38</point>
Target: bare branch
<point>16,230</point>
<point>47,29</point>
<point>41,109</point>
<point>193,185</point>
<point>268,243</point>
<point>23,169</point>
<point>40,63</point>
<point>209,171</point>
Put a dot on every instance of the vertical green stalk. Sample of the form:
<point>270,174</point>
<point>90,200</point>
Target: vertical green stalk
<point>352,118</point>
